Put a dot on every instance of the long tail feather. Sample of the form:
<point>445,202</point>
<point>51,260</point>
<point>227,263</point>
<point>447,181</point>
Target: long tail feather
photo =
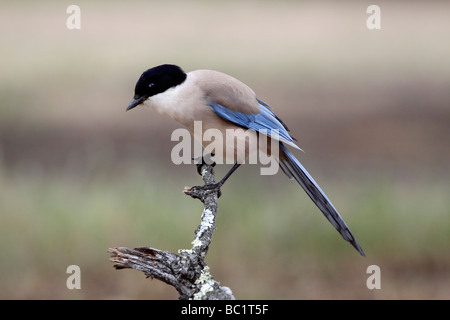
<point>294,169</point>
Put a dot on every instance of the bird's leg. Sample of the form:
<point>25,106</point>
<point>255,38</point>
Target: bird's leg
<point>229,173</point>
<point>216,186</point>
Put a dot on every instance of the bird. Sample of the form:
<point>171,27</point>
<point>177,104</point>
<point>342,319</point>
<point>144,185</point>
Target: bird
<point>223,102</point>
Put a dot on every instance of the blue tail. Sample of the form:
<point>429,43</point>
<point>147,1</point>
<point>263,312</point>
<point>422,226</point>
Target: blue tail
<point>294,169</point>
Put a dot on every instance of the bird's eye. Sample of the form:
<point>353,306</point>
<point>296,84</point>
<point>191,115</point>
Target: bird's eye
<point>150,85</point>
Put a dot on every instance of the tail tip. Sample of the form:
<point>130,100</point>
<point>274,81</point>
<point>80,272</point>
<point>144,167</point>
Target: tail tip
<point>358,248</point>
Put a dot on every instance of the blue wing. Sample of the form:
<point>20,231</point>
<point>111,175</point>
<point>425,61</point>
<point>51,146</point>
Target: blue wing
<point>266,121</point>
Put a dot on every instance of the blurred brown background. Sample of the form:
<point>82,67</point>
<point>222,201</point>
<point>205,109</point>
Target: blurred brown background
<point>371,109</point>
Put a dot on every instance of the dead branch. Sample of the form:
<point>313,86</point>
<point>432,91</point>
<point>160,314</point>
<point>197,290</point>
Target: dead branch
<point>186,271</point>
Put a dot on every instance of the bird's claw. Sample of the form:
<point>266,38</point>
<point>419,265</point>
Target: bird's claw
<point>196,191</point>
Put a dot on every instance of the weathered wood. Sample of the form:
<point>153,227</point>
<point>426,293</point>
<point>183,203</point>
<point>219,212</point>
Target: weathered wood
<point>186,271</point>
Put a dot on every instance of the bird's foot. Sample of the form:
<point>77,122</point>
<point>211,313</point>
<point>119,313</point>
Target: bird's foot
<point>199,191</point>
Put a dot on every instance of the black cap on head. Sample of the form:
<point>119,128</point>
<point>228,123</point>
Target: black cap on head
<point>156,80</point>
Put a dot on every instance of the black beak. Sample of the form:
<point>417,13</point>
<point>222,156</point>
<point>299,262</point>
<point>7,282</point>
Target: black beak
<point>137,100</point>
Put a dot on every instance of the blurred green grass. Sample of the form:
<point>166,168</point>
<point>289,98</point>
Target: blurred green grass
<point>78,175</point>
<point>52,221</point>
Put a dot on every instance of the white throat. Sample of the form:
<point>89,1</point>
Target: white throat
<point>172,102</point>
